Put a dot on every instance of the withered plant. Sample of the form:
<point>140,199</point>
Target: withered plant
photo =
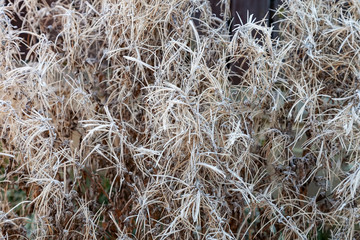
<point>120,122</point>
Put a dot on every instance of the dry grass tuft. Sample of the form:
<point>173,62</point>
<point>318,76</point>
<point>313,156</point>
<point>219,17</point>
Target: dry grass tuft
<point>121,123</point>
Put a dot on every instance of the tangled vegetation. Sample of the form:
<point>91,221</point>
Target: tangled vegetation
<point>121,122</point>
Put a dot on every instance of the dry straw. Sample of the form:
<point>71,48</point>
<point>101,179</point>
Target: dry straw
<point>121,123</point>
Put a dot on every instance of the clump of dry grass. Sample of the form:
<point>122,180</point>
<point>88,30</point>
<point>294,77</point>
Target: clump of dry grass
<point>122,123</point>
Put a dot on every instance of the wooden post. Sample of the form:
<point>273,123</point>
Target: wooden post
<point>240,11</point>
<point>274,4</point>
<point>243,8</point>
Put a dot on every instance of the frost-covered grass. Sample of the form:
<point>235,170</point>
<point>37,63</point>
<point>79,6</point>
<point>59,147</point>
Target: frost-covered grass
<point>122,123</point>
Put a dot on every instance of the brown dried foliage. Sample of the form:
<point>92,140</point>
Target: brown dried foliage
<point>121,122</point>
